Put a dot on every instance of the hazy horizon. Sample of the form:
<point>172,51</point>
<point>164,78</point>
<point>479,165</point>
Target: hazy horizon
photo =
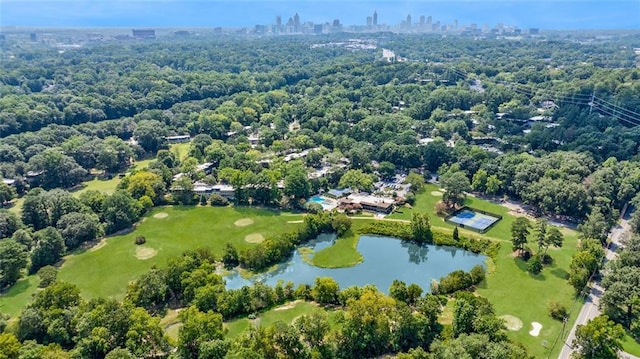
<point>543,14</point>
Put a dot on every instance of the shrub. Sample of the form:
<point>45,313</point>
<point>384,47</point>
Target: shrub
<point>140,240</point>
<point>478,274</point>
<point>47,276</point>
<point>203,200</point>
<point>218,200</point>
<point>455,281</point>
<point>557,311</point>
<point>534,265</point>
<point>441,209</point>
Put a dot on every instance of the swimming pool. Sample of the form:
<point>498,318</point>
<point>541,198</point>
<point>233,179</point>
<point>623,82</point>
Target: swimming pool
<point>317,199</point>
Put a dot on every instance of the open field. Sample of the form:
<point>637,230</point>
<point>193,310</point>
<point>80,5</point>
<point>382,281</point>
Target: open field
<point>106,271</point>
<point>181,150</point>
<point>13,300</point>
<point>286,313</point>
<point>104,186</point>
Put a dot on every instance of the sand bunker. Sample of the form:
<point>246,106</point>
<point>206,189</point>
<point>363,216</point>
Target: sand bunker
<point>99,245</point>
<point>143,253</point>
<point>436,193</point>
<point>536,329</point>
<point>300,221</point>
<point>511,322</point>
<point>242,222</point>
<point>161,215</point>
<point>254,238</point>
<point>288,305</point>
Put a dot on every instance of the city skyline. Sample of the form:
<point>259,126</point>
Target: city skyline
<point>173,13</point>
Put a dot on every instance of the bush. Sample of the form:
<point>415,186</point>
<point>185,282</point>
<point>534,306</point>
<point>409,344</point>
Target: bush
<point>455,281</point>
<point>478,274</point>
<point>203,200</point>
<point>140,240</point>
<point>534,265</point>
<point>47,276</point>
<point>218,200</point>
<point>557,311</point>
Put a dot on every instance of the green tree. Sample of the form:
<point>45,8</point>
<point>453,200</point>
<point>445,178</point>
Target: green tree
<point>120,211</point>
<point>519,233</point>
<point>56,169</point>
<point>197,328</point>
<point>493,184</point>
<point>540,233</point>
<point>296,183</point>
<point>553,238</point>
<point>455,185</point>
<point>421,228</point>
<point>77,228</point>
<point>416,181</point>
<point>356,180</point>
<point>479,181</point>
<point>325,290</point>
<point>13,258</point>
<point>145,183</point>
<point>387,170</point>
<point>9,346</point>
<point>9,223</point>
<point>600,338</point>
<point>230,256</point>
<point>7,193</point>
<point>48,249</point>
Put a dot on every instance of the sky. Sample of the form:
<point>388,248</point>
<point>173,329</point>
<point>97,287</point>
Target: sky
<point>543,14</point>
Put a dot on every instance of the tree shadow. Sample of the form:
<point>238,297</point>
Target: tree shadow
<point>560,273</point>
<point>15,290</point>
<point>522,265</point>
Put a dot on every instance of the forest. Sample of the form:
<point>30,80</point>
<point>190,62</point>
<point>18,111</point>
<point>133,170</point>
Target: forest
<point>550,122</point>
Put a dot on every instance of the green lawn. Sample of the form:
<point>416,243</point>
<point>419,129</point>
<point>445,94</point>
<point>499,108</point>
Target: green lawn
<point>13,300</point>
<point>104,186</point>
<point>181,150</point>
<point>106,270</point>
<point>630,345</point>
<point>286,313</point>
<point>342,253</point>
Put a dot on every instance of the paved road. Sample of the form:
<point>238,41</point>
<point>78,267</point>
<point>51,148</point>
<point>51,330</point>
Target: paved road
<point>590,308</point>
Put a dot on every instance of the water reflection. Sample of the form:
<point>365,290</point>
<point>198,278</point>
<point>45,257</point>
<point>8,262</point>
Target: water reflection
<point>385,259</point>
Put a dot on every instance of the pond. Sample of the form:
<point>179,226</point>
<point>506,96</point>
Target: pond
<point>385,259</point>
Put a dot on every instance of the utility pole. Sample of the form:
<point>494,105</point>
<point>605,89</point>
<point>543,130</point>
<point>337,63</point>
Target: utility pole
<point>593,95</point>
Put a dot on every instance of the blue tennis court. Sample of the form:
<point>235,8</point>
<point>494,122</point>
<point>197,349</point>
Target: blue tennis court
<point>467,218</point>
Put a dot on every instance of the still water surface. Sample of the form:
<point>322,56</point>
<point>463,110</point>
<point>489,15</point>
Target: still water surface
<point>385,259</point>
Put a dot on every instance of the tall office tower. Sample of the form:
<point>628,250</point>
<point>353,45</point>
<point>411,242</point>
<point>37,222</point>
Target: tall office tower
<point>455,24</point>
<point>375,18</point>
<point>409,21</point>
<point>429,20</point>
<point>422,21</point>
<point>369,21</point>
<point>296,22</point>
<point>278,24</point>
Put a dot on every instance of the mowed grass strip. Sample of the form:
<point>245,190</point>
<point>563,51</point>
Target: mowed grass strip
<point>286,313</point>
<point>107,271</point>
